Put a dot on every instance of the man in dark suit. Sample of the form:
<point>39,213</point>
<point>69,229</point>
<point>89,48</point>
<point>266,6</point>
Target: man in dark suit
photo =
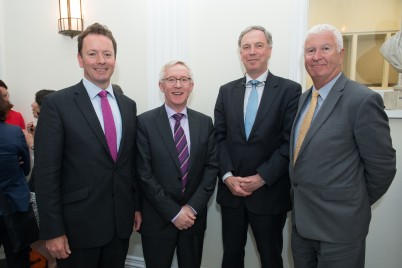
<point>254,153</point>
<point>344,164</point>
<point>177,166</point>
<point>85,183</point>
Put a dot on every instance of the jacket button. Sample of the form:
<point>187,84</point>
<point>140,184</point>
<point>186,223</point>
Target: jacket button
<point>295,184</point>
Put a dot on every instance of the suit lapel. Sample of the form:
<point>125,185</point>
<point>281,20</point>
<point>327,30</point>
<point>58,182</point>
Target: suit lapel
<point>268,96</point>
<point>88,112</point>
<point>194,127</point>
<point>302,102</point>
<point>165,131</point>
<point>326,108</point>
<point>125,117</point>
<point>238,102</point>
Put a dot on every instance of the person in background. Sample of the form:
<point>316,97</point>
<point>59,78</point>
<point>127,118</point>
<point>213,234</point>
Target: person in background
<point>29,133</point>
<point>13,117</point>
<point>253,119</point>
<point>342,159</point>
<point>30,129</point>
<point>15,165</point>
<point>85,145</point>
<point>177,169</point>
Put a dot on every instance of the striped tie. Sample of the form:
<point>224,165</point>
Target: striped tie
<point>182,150</point>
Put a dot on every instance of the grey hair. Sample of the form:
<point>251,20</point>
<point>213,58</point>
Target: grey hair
<point>172,63</point>
<point>267,34</point>
<point>330,28</point>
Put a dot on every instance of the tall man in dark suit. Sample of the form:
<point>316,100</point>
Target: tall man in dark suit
<point>85,183</point>
<point>254,153</point>
<point>177,166</point>
<point>344,164</point>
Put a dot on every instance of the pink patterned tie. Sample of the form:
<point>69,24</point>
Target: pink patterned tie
<point>182,149</point>
<point>108,121</point>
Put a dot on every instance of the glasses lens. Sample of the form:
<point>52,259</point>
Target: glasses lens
<point>173,80</point>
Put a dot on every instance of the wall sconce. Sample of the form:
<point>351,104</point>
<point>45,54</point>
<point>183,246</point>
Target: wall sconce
<point>70,19</point>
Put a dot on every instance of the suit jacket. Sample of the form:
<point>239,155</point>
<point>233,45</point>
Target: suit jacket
<point>266,152</point>
<point>13,150</point>
<point>345,164</point>
<point>160,177</point>
<point>81,191</point>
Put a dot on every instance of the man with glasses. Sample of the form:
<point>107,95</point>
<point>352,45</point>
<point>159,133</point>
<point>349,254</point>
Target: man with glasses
<point>177,169</point>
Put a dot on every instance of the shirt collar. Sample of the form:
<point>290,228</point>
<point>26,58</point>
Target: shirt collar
<point>262,78</point>
<point>93,89</point>
<point>324,91</point>
<point>170,112</point>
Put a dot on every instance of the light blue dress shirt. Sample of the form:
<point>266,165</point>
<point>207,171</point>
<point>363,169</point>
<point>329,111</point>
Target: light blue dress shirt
<point>323,93</point>
<point>260,89</point>
<point>183,122</point>
<point>93,91</point>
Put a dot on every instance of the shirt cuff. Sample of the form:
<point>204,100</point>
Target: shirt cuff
<point>227,174</point>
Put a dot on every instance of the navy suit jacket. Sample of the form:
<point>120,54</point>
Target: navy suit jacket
<point>160,176</point>
<point>81,191</point>
<point>13,150</point>
<point>266,152</point>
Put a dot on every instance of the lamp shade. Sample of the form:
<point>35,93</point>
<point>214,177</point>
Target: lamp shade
<point>70,17</point>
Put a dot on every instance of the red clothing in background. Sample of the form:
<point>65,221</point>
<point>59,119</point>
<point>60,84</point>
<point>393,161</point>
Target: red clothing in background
<point>15,118</point>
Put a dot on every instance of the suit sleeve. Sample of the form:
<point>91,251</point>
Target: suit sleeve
<point>24,155</point>
<point>278,164</point>
<point>373,139</point>
<point>225,162</point>
<point>147,180</point>
<point>206,187</point>
<point>49,140</point>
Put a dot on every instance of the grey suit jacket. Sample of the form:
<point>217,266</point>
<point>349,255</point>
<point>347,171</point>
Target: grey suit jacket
<point>346,163</point>
<point>81,191</point>
<point>159,172</point>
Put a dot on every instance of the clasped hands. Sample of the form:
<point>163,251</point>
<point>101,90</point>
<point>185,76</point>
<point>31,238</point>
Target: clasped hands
<point>185,219</point>
<point>244,186</point>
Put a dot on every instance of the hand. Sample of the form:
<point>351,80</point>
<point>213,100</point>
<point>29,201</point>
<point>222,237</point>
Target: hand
<point>29,138</point>
<point>20,161</point>
<point>137,221</point>
<point>235,185</point>
<point>31,128</point>
<point>58,247</point>
<point>253,183</point>
<point>185,219</point>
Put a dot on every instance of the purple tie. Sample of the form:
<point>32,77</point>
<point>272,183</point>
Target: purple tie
<point>108,122</point>
<point>182,149</point>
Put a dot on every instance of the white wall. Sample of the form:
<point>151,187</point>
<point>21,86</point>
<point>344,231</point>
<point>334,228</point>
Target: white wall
<point>34,56</point>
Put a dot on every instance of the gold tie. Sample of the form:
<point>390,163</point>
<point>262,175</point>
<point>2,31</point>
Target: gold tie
<point>306,124</point>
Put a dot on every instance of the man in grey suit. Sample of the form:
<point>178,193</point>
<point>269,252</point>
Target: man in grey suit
<point>177,166</point>
<point>85,174</point>
<point>344,164</point>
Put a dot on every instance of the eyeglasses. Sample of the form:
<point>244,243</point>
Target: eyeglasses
<point>173,80</point>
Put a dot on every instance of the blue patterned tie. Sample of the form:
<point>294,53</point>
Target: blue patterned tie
<point>252,107</point>
<point>182,149</point>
